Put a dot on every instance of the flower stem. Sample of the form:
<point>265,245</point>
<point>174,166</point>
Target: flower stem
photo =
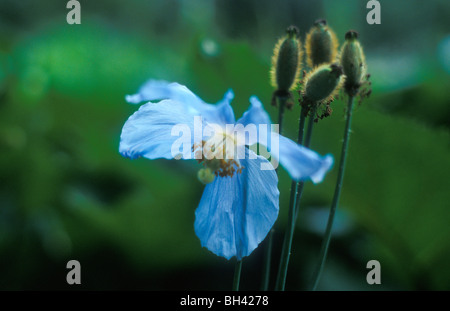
<point>237,275</point>
<point>268,253</point>
<point>296,193</point>
<point>267,262</point>
<point>337,193</point>
<point>307,143</point>
<point>310,126</point>
<point>282,103</point>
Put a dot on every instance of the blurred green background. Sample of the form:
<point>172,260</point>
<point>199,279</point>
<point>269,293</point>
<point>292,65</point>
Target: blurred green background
<point>66,193</point>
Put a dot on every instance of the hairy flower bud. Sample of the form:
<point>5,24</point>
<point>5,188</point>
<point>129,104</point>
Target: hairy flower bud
<point>286,61</point>
<point>319,88</point>
<point>321,44</point>
<point>353,63</point>
<point>322,83</point>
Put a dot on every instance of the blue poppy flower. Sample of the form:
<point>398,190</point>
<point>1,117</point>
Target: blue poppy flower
<point>240,202</point>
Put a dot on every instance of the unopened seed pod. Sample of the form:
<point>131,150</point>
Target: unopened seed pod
<point>321,44</point>
<point>353,62</point>
<point>321,84</point>
<point>286,61</point>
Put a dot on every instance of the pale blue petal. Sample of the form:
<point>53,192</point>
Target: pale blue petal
<point>257,116</point>
<point>159,89</point>
<point>148,132</point>
<point>221,113</point>
<point>300,162</point>
<point>236,213</point>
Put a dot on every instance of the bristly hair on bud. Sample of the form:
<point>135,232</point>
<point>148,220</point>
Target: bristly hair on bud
<point>286,64</point>
<point>353,62</point>
<point>321,44</point>
<point>320,86</point>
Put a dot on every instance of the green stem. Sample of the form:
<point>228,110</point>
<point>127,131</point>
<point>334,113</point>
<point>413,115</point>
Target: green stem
<point>296,192</point>
<point>267,262</point>
<point>237,275</point>
<point>268,253</point>
<point>310,126</point>
<point>282,104</point>
<point>301,125</point>
<point>300,185</point>
<point>337,194</point>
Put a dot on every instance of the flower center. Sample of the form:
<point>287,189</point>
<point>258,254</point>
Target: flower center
<point>219,155</point>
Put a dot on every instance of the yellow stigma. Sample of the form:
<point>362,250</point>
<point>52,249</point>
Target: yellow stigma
<point>219,156</point>
<point>205,175</point>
